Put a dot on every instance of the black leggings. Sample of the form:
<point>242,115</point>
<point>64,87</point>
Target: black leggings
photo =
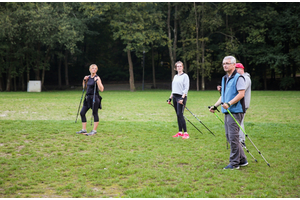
<point>179,108</point>
<point>85,108</point>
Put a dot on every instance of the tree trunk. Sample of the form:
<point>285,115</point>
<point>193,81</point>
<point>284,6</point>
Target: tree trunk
<point>8,73</point>
<point>170,42</point>
<point>197,45</point>
<point>287,67</point>
<point>197,76</point>
<point>59,73</point>
<point>183,48</point>
<point>175,40</point>
<point>47,58</point>
<point>131,74</point>
<point>20,77</point>
<point>37,67</point>
<point>66,69</point>
<point>226,37</point>
<point>23,83</point>
<point>15,83</point>
<point>27,68</point>
<point>8,79</point>
<point>1,77</point>
<point>20,81</point>
<point>184,59</point>
<point>153,70</point>
<point>265,78</point>
<point>203,56</point>
<point>1,85</point>
<point>203,67</point>
<point>244,57</point>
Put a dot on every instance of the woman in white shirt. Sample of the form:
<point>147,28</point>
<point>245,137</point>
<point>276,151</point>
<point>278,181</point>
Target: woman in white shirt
<point>180,88</point>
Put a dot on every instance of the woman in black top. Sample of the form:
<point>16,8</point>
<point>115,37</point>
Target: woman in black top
<point>90,81</point>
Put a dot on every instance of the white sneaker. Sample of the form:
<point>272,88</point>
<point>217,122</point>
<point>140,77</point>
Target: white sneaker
<point>91,133</point>
<point>81,131</point>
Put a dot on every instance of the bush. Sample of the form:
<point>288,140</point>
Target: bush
<point>256,84</point>
<point>286,83</point>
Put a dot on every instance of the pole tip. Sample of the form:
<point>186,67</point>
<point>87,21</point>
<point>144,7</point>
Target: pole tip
<point>269,165</point>
<point>255,160</point>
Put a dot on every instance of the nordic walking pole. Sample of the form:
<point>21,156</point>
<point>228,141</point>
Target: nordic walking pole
<point>186,118</point>
<point>192,124</point>
<point>220,120</point>
<point>227,141</point>
<point>248,137</point>
<point>200,121</point>
<point>248,151</point>
<point>217,114</point>
<point>80,100</point>
<point>93,102</point>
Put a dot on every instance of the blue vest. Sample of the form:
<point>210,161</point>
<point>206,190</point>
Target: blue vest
<point>229,91</point>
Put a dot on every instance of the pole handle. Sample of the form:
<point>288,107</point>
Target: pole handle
<point>215,108</point>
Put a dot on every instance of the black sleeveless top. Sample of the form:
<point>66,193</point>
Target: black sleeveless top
<point>91,85</point>
<point>88,100</point>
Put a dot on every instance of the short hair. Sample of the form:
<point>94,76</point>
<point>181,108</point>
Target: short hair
<point>232,59</point>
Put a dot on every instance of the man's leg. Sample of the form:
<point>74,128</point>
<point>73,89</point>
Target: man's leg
<point>236,152</point>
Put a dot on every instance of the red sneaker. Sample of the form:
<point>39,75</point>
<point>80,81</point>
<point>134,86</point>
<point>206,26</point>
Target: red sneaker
<point>185,136</point>
<point>178,135</point>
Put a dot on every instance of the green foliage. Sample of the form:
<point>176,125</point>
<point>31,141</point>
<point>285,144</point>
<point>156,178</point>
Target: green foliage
<point>138,25</point>
<point>31,31</point>
<point>208,20</point>
<point>256,84</point>
<point>286,83</point>
<point>95,10</point>
<point>38,35</point>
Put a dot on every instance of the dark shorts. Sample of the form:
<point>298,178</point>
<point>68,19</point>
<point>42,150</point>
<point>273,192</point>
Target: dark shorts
<point>88,101</point>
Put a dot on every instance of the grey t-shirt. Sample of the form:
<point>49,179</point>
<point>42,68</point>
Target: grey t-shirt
<point>248,89</point>
<point>240,84</point>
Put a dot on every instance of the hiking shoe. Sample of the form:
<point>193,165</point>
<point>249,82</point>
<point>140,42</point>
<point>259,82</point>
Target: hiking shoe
<point>243,164</point>
<point>91,133</point>
<point>81,131</point>
<point>231,167</point>
<point>185,136</point>
<point>178,135</point>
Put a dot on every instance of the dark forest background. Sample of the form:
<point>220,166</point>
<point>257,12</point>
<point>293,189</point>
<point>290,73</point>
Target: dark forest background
<point>56,42</point>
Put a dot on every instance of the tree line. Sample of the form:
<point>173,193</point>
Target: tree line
<point>55,42</point>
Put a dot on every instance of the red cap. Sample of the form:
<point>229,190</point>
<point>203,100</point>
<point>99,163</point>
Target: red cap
<point>239,65</point>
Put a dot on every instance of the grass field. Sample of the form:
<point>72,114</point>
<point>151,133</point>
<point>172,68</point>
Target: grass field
<point>134,155</point>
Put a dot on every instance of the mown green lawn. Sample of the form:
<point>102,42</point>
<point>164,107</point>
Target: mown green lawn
<point>134,154</point>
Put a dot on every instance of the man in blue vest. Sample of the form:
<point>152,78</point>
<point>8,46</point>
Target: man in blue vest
<point>232,97</point>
